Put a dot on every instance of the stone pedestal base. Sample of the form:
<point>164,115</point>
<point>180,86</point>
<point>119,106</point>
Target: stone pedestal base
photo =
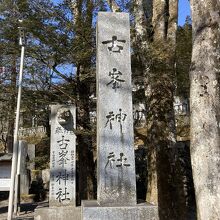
<point>91,210</point>
<point>57,213</point>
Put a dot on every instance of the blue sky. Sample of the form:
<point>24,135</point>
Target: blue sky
<point>184,11</point>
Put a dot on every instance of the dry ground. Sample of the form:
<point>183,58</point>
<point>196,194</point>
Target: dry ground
<point>26,213</point>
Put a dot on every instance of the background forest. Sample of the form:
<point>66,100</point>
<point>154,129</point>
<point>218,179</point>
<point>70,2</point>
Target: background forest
<point>60,59</point>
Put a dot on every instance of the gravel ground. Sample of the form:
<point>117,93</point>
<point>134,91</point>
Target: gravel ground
<point>26,212</point>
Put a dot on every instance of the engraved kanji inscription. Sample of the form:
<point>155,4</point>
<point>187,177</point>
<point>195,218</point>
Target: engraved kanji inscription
<point>58,130</point>
<point>62,195</point>
<point>110,117</point>
<point>63,143</point>
<point>115,45</point>
<point>62,177</point>
<point>119,162</point>
<point>115,79</point>
<point>111,159</point>
<point>120,118</point>
<point>63,158</point>
<point>63,153</point>
<point>122,161</point>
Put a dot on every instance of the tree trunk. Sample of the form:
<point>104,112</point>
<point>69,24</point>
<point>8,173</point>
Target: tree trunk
<point>205,107</point>
<point>113,5</point>
<point>141,45</point>
<point>161,139</point>
<point>11,108</point>
<point>161,131</point>
<point>157,33</point>
<point>86,161</point>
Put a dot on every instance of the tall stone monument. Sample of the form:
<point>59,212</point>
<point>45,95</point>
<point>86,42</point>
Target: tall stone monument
<point>116,193</point>
<point>116,164</point>
<point>62,193</point>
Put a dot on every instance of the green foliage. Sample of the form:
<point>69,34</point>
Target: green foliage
<point>183,58</point>
<point>42,154</point>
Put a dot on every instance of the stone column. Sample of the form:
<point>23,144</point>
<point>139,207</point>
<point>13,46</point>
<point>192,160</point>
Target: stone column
<point>116,193</point>
<point>116,163</point>
<point>62,197</point>
<point>62,156</point>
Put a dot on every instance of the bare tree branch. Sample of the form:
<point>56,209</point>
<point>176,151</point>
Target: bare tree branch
<point>113,6</point>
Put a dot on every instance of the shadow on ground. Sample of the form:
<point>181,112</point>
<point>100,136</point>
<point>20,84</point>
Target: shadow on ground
<point>26,211</point>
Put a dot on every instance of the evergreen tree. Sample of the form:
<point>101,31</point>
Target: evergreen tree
<point>183,58</point>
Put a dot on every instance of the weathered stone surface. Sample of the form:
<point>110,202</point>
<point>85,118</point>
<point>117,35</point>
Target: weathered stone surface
<point>62,157</point>
<point>31,155</point>
<point>55,213</point>
<point>91,210</point>
<point>46,178</point>
<point>22,158</point>
<point>22,168</point>
<point>116,163</point>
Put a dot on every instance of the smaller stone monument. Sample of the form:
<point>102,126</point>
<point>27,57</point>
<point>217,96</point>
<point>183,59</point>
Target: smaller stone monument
<point>62,193</point>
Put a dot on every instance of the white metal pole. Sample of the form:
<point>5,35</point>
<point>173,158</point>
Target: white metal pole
<point>17,176</point>
<point>15,144</point>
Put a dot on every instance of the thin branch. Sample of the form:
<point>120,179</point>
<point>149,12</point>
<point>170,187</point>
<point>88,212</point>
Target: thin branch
<point>52,67</point>
<point>60,90</point>
<point>113,6</point>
